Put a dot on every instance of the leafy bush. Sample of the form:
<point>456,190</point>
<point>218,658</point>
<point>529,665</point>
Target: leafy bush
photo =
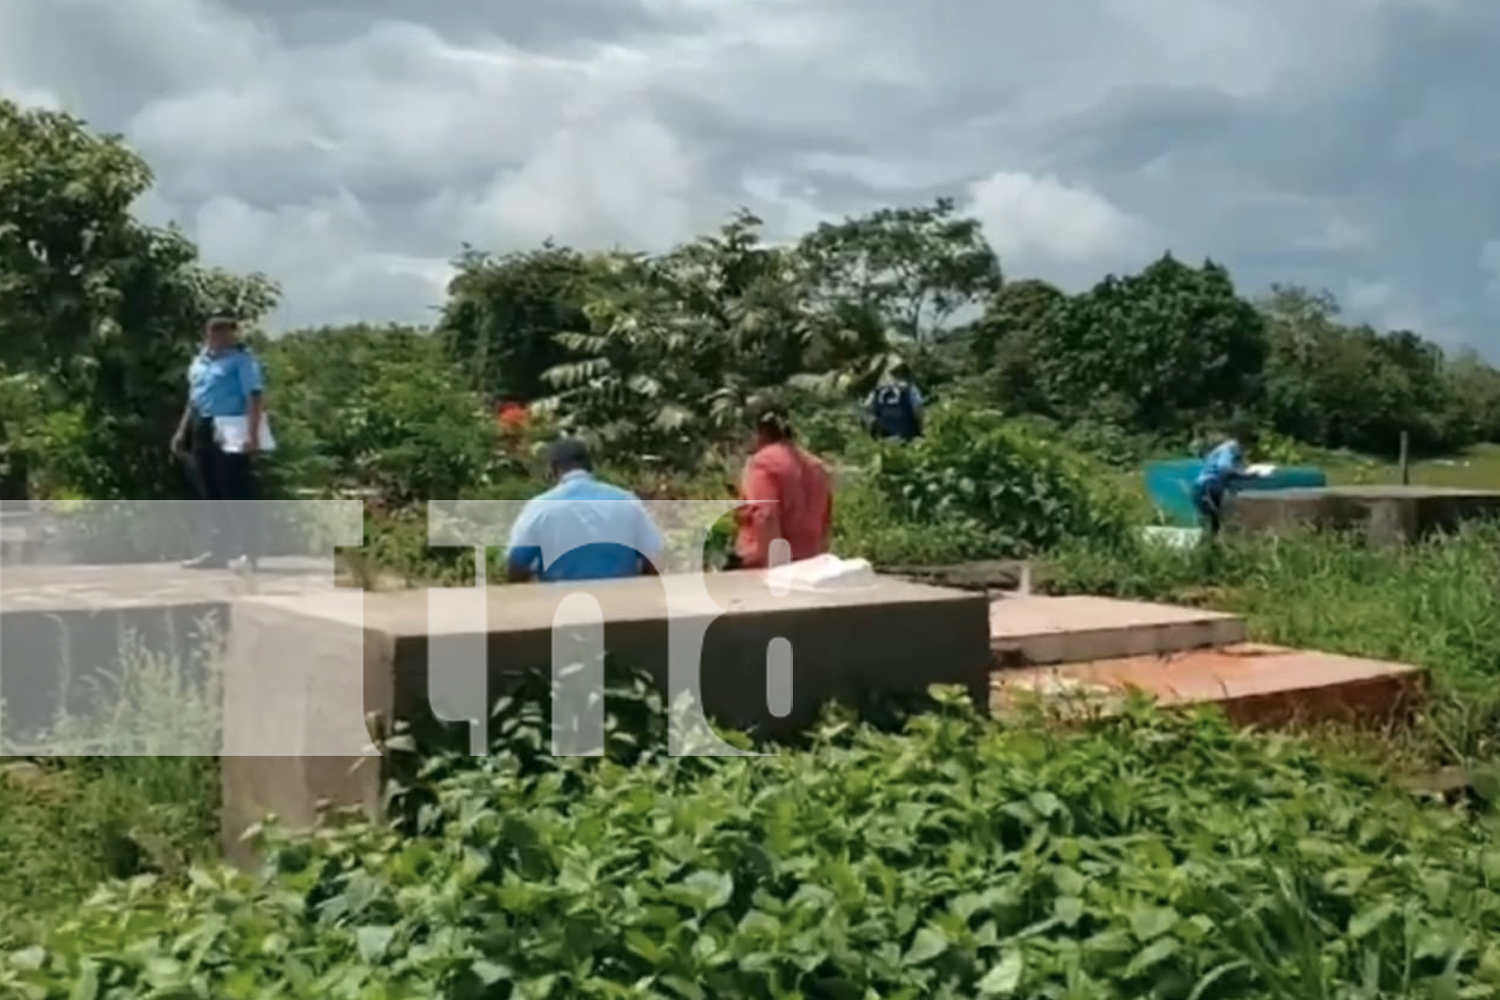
<point>1152,856</point>
<point>382,408</point>
<point>829,429</point>
<point>869,524</point>
<point>975,472</point>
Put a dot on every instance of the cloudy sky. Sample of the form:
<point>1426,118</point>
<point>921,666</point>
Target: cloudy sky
<point>348,147</point>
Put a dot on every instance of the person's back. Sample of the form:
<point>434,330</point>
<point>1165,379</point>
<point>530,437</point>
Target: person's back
<point>1221,463</point>
<point>584,529</point>
<point>895,409</point>
<point>798,487</point>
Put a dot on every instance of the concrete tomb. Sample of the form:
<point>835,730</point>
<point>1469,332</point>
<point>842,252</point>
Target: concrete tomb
<point>1384,514</point>
<point>306,676</point>
<point>64,628</point>
<point>1027,629</point>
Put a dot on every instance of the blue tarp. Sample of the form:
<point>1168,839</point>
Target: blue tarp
<point>1169,484</point>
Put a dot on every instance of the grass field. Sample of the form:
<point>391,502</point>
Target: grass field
<point>1476,469</point>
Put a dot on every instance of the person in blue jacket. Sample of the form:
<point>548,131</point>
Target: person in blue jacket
<point>894,411</point>
<point>1223,466</point>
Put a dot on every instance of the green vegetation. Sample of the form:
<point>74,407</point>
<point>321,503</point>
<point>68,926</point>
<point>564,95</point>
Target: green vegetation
<point>1147,857</point>
<point>1141,855</point>
<point>1155,856</point>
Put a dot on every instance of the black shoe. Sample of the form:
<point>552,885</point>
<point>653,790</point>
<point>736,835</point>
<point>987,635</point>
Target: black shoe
<point>207,561</point>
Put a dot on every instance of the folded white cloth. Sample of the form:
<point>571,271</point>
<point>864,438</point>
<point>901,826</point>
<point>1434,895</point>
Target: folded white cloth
<point>825,572</point>
<point>1260,470</point>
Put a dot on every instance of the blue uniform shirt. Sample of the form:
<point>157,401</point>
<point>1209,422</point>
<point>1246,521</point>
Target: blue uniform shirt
<point>220,385</point>
<point>583,529</point>
<point>1221,464</point>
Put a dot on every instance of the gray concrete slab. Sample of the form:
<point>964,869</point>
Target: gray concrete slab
<point>1030,630</point>
<point>70,634</point>
<point>1384,514</point>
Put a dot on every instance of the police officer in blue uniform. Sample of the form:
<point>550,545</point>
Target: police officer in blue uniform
<point>894,411</point>
<point>224,380</point>
<point>1223,468</point>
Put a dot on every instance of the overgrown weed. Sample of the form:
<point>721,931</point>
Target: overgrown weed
<point>131,786</point>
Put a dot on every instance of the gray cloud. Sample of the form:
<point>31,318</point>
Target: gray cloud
<point>347,147</point>
<point>556,25</point>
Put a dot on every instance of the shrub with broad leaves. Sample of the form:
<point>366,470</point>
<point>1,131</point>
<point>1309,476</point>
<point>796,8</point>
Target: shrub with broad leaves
<point>976,472</point>
<point>1150,856</point>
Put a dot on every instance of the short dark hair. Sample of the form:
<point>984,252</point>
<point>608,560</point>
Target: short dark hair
<point>569,452</point>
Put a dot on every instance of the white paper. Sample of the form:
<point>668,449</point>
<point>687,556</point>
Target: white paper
<point>232,434</point>
<point>825,572</point>
<point>1260,470</point>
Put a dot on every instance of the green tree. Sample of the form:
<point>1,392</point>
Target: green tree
<point>911,271</point>
<point>1472,410</point>
<point>504,314</point>
<point>1015,312</point>
<point>1353,387</point>
<point>1003,341</point>
<point>675,344</point>
<point>1156,350</point>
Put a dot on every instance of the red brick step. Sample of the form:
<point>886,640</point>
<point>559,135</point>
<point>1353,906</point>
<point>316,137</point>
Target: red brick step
<point>1255,684</point>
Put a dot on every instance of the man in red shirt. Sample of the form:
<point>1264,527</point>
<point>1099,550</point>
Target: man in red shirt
<point>785,493</point>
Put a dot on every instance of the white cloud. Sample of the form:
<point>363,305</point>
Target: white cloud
<point>1386,305</point>
<point>32,97</point>
<point>787,213</point>
<point>1342,235</point>
<point>629,182</point>
<point>346,148</point>
<point>324,255</point>
<point>1040,220</point>
<point>396,100</point>
<point>1369,296</point>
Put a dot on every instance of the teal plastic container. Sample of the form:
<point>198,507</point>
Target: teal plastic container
<point>1169,484</point>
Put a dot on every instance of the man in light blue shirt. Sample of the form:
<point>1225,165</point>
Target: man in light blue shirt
<point>582,529</point>
<point>1221,469</point>
<point>224,380</point>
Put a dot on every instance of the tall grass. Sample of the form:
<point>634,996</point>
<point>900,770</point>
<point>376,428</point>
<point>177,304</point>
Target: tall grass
<point>129,787</point>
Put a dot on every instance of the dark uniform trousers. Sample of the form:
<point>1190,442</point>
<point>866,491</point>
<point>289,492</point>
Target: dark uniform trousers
<point>1209,499</point>
<point>225,482</point>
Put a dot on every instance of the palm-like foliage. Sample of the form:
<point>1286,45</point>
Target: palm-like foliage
<point>677,344</point>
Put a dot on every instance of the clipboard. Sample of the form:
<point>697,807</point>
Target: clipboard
<point>233,433</point>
